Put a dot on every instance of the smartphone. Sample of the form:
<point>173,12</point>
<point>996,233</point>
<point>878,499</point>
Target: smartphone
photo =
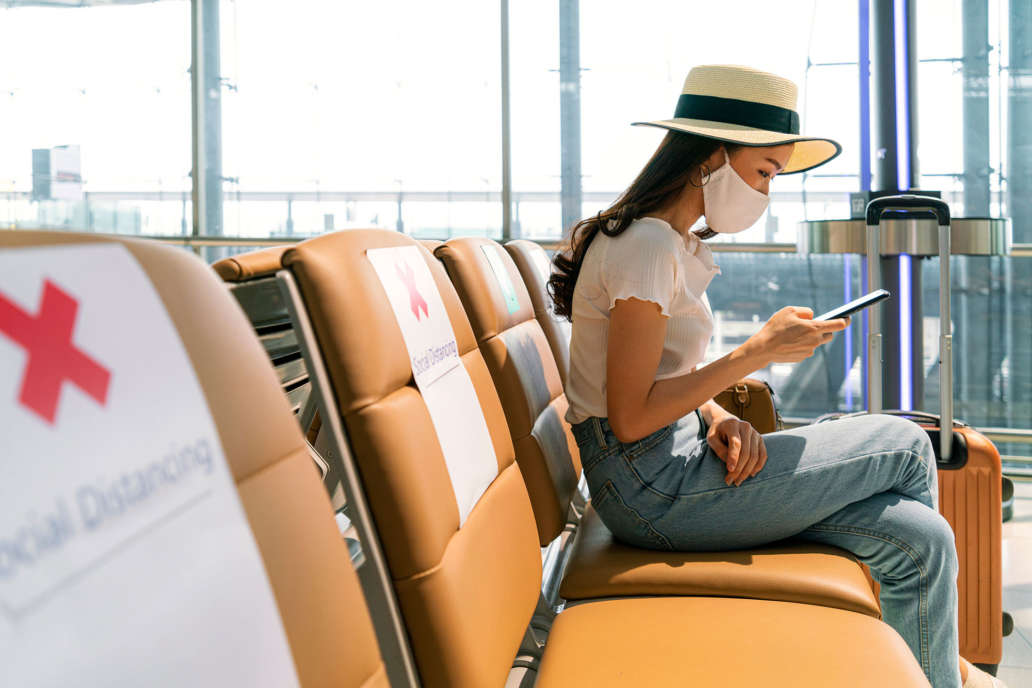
<point>855,305</point>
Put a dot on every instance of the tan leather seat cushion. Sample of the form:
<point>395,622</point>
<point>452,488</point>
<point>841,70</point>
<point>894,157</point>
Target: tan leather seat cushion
<point>317,592</point>
<point>601,566</point>
<point>706,641</point>
<point>247,266</point>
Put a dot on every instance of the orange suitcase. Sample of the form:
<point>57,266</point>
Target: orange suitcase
<point>970,478</point>
<point>970,499</point>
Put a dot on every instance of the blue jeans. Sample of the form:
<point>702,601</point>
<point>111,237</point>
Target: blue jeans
<point>866,484</point>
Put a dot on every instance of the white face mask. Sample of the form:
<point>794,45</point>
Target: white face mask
<point>730,204</point>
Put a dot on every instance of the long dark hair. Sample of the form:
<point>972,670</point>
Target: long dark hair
<point>675,163</point>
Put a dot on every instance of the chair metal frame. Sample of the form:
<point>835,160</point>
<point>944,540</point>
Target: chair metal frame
<point>374,573</point>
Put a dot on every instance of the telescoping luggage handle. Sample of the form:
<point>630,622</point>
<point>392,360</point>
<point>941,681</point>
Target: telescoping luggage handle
<point>910,204</point>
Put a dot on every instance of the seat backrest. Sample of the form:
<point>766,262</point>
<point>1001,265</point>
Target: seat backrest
<point>532,261</point>
<point>466,574</point>
<point>307,564</point>
<point>524,372</point>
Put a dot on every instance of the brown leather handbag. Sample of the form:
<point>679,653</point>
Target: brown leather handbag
<point>752,400</point>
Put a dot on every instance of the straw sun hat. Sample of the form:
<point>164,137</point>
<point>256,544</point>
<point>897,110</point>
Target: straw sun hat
<point>749,107</point>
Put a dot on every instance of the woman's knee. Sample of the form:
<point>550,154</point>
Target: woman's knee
<point>940,544</point>
<point>924,545</point>
<point>906,435</point>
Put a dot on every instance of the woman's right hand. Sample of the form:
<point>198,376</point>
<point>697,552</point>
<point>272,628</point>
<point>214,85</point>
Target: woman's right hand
<point>792,334</point>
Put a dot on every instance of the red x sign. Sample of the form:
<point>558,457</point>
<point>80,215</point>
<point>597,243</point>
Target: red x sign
<point>47,339</point>
<point>416,301</point>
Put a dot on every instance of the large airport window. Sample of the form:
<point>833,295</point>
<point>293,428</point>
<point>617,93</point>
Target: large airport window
<point>751,287</point>
<point>340,115</point>
<point>95,104</point>
<point>974,124</point>
<point>538,66</point>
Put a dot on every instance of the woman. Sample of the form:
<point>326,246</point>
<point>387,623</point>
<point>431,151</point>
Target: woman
<point>670,469</point>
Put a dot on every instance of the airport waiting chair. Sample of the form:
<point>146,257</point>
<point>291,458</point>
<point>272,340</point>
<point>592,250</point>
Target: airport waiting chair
<point>316,590</point>
<point>525,374</point>
<point>468,587</point>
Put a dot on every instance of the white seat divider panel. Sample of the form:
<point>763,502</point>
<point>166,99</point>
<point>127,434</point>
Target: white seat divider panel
<point>439,374</point>
<point>126,558</point>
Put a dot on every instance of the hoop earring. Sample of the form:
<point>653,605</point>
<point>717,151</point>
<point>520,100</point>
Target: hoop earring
<point>704,177</point>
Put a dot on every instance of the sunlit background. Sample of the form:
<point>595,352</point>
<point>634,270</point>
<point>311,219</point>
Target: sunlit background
<point>355,114</point>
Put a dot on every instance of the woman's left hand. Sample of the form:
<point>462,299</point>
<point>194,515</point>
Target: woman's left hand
<point>739,446</point>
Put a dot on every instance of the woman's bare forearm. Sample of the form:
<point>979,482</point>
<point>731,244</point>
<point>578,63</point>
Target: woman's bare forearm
<point>712,412</point>
<point>675,397</point>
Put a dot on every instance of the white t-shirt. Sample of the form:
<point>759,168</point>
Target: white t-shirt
<point>651,261</point>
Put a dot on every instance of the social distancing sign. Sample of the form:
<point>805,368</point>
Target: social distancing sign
<point>495,258</point>
<point>439,374</point>
<point>126,558</point>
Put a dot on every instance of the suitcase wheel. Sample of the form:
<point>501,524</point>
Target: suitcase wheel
<point>990,669</point>
<point>1007,499</point>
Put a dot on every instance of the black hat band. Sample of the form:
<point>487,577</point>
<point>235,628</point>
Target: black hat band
<point>733,111</point>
